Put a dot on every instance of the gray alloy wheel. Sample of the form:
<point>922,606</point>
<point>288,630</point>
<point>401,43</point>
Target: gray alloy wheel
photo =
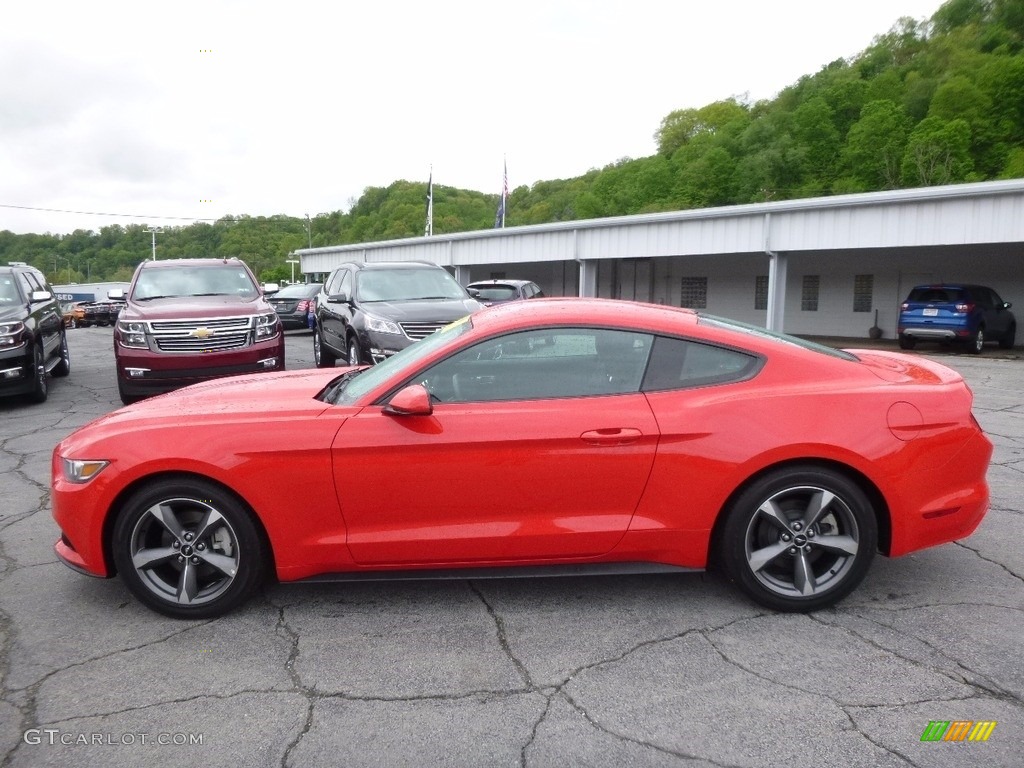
<point>977,342</point>
<point>353,352</point>
<point>799,539</point>
<point>188,549</point>
<point>321,357</point>
<point>63,368</point>
<point>40,386</point>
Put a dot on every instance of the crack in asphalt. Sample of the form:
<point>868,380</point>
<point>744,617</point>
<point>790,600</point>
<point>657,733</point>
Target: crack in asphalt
<point>946,673</point>
<point>639,742</point>
<point>1005,567</point>
<point>990,690</point>
<point>499,624</point>
<point>289,665</point>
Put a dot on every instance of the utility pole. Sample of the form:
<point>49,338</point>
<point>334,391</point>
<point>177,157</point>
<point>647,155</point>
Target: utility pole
<point>155,231</point>
<point>309,231</point>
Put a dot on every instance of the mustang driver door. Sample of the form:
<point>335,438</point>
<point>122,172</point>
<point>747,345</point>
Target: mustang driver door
<point>539,446</point>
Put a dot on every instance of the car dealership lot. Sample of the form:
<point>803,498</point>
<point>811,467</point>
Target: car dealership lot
<point>643,670</point>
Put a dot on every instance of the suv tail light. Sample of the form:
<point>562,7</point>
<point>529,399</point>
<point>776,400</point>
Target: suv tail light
<point>964,308</point>
<point>904,306</point>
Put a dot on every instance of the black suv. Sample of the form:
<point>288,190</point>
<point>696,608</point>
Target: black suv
<point>367,312</point>
<point>32,339</point>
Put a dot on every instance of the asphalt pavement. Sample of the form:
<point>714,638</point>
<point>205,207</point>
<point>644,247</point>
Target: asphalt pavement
<point>602,671</point>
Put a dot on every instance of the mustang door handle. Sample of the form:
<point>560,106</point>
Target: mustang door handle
<point>612,436</point>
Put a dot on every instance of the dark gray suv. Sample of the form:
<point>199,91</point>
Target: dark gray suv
<point>366,312</point>
<point>33,343</point>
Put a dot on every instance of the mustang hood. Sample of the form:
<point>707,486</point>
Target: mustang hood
<point>256,399</point>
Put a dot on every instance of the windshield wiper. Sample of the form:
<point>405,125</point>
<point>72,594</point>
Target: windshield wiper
<point>334,391</point>
<point>150,298</point>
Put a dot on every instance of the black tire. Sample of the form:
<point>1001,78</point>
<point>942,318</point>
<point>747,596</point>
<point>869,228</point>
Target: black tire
<point>906,342</point>
<point>354,356</point>
<point>1008,340</point>
<point>322,356</point>
<point>125,397</point>
<point>188,549</point>
<point>63,368</point>
<point>832,537</point>
<point>977,342</point>
<point>40,386</point>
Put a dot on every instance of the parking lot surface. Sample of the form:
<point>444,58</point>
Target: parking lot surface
<point>608,671</point>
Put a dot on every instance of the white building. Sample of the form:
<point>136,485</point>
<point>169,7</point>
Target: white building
<point>86,291</point>
<point>820,266</point>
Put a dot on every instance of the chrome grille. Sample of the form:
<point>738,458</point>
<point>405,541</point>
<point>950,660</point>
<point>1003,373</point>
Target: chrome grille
<point>213,335</point>
<point>417,331</point>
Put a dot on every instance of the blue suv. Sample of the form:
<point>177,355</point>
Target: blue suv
<point>972,314</point>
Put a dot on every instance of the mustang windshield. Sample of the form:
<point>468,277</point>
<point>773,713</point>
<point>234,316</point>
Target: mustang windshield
<point>397,365</point>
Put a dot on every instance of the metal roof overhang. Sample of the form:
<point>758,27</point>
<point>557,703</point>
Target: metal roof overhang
<point>960,214</point>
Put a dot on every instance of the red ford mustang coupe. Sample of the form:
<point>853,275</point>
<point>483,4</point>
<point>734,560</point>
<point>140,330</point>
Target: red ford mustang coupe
<point>639,438</point>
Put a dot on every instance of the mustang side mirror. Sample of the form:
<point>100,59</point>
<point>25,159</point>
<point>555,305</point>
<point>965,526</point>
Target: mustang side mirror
<point>413,400</point>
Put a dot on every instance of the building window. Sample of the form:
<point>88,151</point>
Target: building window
<point>694,293</point>
<point>863,288</point>
<point>809,295</point>
<point>761,292</point>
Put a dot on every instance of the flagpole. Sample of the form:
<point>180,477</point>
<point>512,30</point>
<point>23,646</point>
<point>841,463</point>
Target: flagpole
<point>428,228</point>
<point>499,217</point>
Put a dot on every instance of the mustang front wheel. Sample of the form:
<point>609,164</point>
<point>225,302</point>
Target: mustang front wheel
<point>188,549</point>
<point>799,539</point>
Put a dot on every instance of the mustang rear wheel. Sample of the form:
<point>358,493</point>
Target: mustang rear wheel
<point>799,539</point>
<point>188,549</point>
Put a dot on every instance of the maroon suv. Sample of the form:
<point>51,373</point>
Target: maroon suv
<point>189,320</point>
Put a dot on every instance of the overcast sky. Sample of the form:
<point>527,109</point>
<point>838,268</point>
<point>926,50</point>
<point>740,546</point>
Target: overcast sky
<point>204,109</point>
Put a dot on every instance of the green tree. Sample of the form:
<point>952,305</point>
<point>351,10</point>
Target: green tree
<point>875,146</point>
<point>683,125</point>
<point>938,152</point>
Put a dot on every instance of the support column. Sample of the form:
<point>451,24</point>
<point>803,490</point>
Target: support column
<point>462,274</point>
<point>776,292</point>
<point>588,277</point>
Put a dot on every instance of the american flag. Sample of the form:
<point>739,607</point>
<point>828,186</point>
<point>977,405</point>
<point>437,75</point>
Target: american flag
<point>499,218</point>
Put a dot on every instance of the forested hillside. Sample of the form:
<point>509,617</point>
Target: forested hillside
<point>927,103</point>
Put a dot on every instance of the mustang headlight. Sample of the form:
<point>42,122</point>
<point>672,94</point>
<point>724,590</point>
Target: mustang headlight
<point>266,326</point>
<point>132,334</point>
<point>380,325</point>
<point>82,470</point>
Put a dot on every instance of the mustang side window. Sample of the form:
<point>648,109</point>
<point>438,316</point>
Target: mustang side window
<point>677,363</point>
<point>541,364</point>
